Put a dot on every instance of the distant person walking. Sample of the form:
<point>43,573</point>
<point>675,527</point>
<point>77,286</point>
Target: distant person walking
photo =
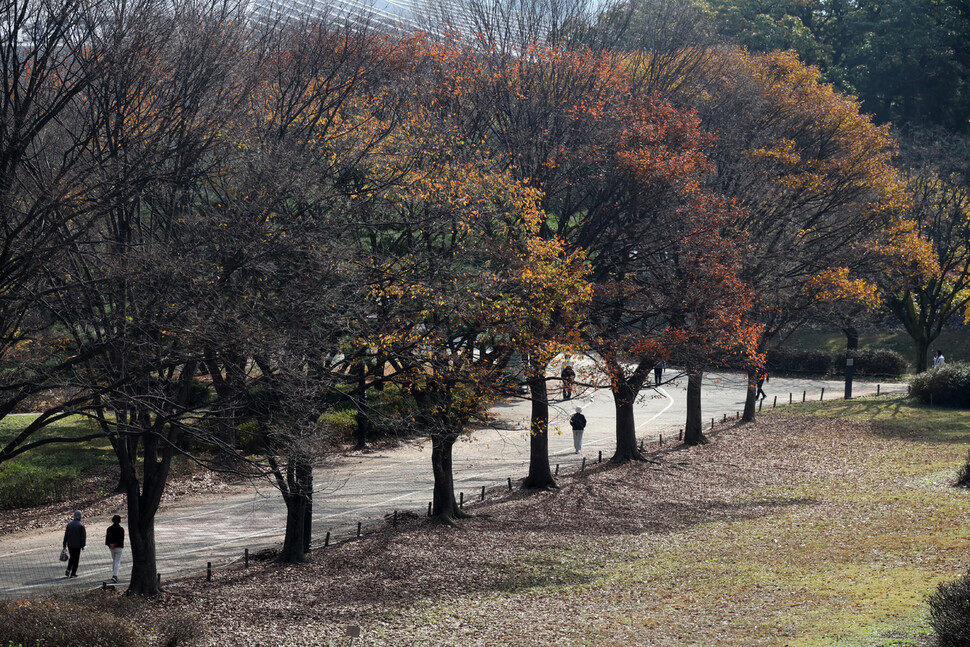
<point>658,373</point>
<point>938,359</point>
<point>75,537</point>
<point>114,539</point>
<point>578,423</point>
<point>568,376</point>
<point>762,378</point>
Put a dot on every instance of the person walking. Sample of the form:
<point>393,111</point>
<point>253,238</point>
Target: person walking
<point>75,538</point>
<point>938,359</point>
<point>762,378</point>
<point>568,376</point>
<point>578,423</point>
<point>658,373</point>
<point>114,539</point>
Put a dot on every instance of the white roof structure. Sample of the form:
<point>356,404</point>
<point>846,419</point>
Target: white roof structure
<point>509,20</point>
<point>405,15</point>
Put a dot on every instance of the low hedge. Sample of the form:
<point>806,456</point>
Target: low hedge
<point>786,360</point>
<point>947,385</point>
<point>876,362</point>
<point>871,362</point>
<point>94,621</point>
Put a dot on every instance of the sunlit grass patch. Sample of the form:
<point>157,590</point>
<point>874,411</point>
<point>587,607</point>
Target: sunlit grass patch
<point>808,531</point>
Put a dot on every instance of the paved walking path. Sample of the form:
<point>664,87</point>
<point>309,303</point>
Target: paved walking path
<point>364,487</point>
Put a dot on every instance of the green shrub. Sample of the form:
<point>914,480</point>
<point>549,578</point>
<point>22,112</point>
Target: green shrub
<point>876,362</point>
<point>786,360</point>
<point>947,385</point>
<point>950,612</point>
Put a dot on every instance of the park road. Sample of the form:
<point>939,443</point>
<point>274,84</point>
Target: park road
<point>363,487</point>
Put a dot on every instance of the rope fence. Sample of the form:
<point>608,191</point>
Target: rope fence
<point>36,569</point>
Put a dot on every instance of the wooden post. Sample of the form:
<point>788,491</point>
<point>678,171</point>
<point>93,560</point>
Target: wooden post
<point>461,499</point>
<point>246,557</point>
<point>510,482</point>
<point>483,493</point>
<point>661,441</point>
<point>429,508</point>
<point>557,469</point>
<point>877,388</point>
<point>804,393</point>
<point>600,459</point>
<point>208,571</point>
<point>680,434</point>
<point>358,529</point>
<point>583,467</point>
<point>774,403</point>
<point>326,541</point>
<point>822,397</point>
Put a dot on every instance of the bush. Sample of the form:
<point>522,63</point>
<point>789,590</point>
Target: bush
<point>785,360</point>
<point>876,362</point>
<point>963,474</point>
<point>27,486</point>
<point>94,621</point>
<point>950,612</point>
<point>947,385</point>
<point>58,623</point>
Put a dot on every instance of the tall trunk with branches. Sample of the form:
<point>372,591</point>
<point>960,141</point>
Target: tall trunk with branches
<point>540,474</point>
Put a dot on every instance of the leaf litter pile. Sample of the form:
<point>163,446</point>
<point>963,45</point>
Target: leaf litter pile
<point>789,531</point>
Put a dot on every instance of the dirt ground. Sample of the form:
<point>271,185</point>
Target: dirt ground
<point>791,531</point>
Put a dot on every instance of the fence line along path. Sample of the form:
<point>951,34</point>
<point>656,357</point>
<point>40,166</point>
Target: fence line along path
<point>364,487</point>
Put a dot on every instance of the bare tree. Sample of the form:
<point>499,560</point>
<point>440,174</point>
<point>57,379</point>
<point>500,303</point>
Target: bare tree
<point>50,55</point>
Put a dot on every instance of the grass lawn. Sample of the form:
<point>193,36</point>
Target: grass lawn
<point>828,525</point>
<point>954,342</point>
<point>54,472</point>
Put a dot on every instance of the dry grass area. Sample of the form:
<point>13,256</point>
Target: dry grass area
<point>791,531</point>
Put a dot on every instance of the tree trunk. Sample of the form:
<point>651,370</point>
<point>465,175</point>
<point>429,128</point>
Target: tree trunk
<point>693,434</point>
<point>851,338</point>
<point>751,396</point>
<point>297,496</point>
<point>624,396</point>
<point>141,539</point>
<point>143,499</point>
<point>294,551</point>
<point>360,401</point>
<point>308,512</point>
<point>444,506</point>
<point>540,475</point>
<point>922,353</point>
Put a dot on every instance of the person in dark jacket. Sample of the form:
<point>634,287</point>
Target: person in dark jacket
<point>114,539</point>
<point>762,378</point>
<point>75,537</point>
<point>578,423</point>
<point>568,376</point>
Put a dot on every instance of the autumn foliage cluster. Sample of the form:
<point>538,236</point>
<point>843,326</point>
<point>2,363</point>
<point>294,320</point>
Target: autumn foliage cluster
<point>300,213</point>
